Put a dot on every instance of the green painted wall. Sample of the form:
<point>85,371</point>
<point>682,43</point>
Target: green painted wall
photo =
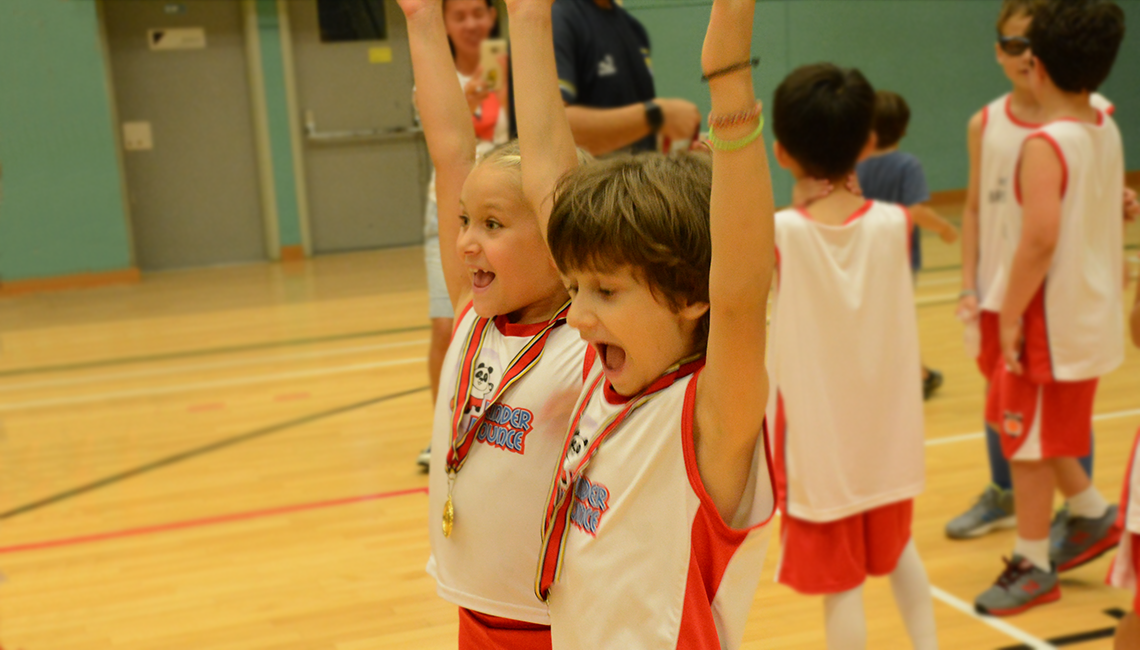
<point>61,206</point>
<point>280,144</point>
<point>938,54</point>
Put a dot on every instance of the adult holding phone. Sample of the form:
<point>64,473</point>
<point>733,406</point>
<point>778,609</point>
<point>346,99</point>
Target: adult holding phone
<point>480,65</point>
<point>603,58</point>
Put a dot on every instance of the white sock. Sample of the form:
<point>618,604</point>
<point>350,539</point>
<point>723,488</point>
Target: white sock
<point>1034,550</point>
<point>1089,504</point>
<point>911,589</point>
<point>844,620</point>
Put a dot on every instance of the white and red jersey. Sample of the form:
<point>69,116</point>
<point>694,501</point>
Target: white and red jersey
<point>648,561</point>
<point>499,496</point>
<point>1002,137</point>
<point>1078,320</point>
<point>845,364</point>
<point>1123,571</point>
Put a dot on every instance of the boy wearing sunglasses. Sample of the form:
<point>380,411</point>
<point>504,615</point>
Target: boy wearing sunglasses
<point>994,137</point>
<point>1058,295</point>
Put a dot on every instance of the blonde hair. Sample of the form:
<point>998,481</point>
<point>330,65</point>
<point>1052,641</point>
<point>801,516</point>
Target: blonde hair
<point>1011,8</point>
<point>508,156</point>
<point>650,212</point>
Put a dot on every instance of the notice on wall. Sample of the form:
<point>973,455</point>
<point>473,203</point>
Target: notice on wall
<point>137,136</point>
<point>176,38</point>
<point>379,55</point>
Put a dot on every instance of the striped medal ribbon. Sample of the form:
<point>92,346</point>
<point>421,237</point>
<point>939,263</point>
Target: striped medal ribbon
<point>461,441</point>
<point>576,456</point>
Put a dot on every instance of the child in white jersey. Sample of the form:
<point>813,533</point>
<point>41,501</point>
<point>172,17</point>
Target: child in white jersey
<point>1126,567</point>
<point>509,377</point>
<point>654,528</point>
<point>849,451</point>
<point>1060,320</point>
<point>995,135</point>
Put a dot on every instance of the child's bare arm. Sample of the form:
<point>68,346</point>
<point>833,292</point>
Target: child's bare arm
<point>1041,179</point>
<point>925,217</point>
<point>448,129</point>
<point>968,303</point>
<point>545,140</point>
<point>1136,318</point>
<point>733,388</point>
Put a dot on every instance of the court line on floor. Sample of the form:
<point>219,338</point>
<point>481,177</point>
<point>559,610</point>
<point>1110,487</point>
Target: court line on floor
<point>940,299</point>
<point>206,521</point>
<point>119,361</point>
<point>995,623</point>
<point>205,385</point>
<point>201,451</point>
<point>946,440</point>
<point>216,365</point>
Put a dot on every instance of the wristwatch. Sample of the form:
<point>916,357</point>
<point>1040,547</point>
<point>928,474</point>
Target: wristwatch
<point>654,116</point>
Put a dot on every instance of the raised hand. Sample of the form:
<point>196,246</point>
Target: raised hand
<point>416,8</point>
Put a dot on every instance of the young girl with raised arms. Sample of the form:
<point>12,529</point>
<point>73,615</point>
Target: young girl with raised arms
<point>510,374</point>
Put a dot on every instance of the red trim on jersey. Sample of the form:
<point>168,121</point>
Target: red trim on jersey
<point>1111,110</point>
<point>985,117</point>
<point>713,542</point>
<point>460,317</point>
<point>781,435</point>
<point>1060,154</point>
<point>1126,491</point>
<point>507,328</point>
<point>860,212</point>
<point>1013,118</point>
<point>588,362</point>
<point>478,631</point>
<point>612,396</point>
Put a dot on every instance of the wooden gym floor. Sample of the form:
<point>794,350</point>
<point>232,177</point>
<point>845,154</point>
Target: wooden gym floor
<point>224,458</point>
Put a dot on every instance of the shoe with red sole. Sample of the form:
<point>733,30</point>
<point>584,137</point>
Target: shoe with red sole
<point>1023,585</point>
<point>1084,539</point>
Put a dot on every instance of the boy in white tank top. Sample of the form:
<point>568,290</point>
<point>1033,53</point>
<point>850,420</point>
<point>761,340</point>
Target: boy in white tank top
<point>1060,320</point>
<point>1125,567</point>
<point>654,531</point>
<point>995,135</point>
<point>510,375</point>
<point>849,429</point>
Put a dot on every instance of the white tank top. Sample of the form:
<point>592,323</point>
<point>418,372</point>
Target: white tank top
<point>649,563</point>
<point>845,364</point>
<point>487,564</point>
<point>1084,316</point>
<point>1002,137</point>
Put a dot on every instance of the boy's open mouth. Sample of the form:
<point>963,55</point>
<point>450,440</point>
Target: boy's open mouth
<point>482,279</point>
<point>612,356</point>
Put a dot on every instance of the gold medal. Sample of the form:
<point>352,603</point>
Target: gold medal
<point>448,517</point>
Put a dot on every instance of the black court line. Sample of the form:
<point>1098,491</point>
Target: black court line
<point>1080,637</point>
<point>199,451</point>
<point>119,361</point>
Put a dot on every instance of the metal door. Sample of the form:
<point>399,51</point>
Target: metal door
<point>182,95</point>
<point>364,159</point>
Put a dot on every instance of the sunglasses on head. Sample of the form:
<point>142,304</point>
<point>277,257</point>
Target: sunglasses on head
<point>1013,45</point>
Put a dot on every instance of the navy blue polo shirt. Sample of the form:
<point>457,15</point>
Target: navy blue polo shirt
<point>603,58</point>
<point>896,177</point>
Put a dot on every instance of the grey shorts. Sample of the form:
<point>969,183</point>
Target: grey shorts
<point>439,303</point>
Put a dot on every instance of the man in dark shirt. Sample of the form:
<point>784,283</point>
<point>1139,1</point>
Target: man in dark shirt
<point>604,70</point>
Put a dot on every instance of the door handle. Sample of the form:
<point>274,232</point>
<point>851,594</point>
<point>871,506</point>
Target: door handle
<point>314,135</point>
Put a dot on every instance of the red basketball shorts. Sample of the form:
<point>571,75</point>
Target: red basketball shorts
<point>1039,421</point>
<point>989,355</point>
<point>485,632</point>
<point>837,556</point>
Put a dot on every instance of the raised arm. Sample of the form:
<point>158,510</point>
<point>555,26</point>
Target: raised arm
<point>733,388</point>
<point>968,303</point>
<point>545,140</point>
<point>447,126</point>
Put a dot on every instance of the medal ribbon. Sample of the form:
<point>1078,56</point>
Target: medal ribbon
<point>556,523</point>
<point>526,359</point>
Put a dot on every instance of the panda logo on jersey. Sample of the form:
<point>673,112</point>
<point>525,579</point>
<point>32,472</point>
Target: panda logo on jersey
<point>481,388</point>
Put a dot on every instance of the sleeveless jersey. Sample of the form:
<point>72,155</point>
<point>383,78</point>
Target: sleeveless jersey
<point>487,564</point>
<point>1002,137</point>
<point>845,363</point>
<point>1078,324</point>
<point>649,563</point>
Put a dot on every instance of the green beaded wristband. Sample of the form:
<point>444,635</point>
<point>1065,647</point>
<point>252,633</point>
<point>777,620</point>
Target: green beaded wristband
<point>734,145</point>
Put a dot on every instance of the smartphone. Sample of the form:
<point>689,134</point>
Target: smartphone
<point>490,59</point>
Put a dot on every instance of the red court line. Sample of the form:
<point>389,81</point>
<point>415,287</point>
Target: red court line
<point>207,521</point>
